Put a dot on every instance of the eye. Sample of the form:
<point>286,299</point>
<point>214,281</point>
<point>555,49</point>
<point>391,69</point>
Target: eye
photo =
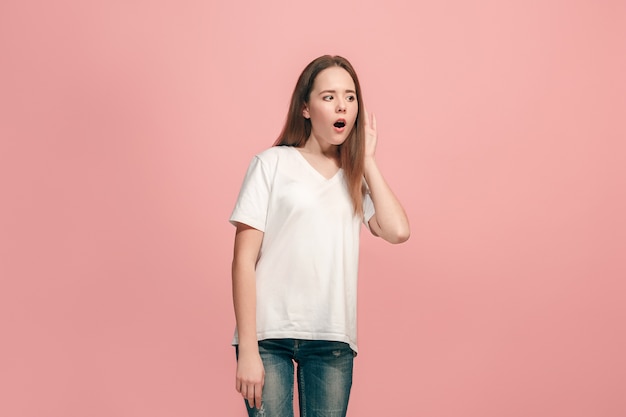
<point>327,98</point>
<point>351,98</point>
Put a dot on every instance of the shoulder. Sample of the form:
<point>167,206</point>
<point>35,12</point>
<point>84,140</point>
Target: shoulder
<point>273,155</point>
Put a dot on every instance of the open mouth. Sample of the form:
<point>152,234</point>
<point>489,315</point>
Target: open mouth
<point>340,124</point>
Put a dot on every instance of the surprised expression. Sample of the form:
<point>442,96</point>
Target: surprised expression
<point>332,107</point>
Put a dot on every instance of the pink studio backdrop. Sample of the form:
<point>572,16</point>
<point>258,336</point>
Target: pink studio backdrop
<point>126,128</point>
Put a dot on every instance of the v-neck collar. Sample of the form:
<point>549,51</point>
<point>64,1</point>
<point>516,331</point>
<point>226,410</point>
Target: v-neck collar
<point>313,169</point>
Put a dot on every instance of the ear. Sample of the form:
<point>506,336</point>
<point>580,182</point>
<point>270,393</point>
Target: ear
<point>305,112</point>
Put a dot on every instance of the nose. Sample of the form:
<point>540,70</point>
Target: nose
<point>341,106</point>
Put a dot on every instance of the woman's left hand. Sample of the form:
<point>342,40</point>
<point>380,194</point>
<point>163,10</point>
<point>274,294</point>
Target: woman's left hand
<point>389,221</point>
<point>371,135</point>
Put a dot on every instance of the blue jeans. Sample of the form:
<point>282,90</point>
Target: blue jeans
<point>324,376</point>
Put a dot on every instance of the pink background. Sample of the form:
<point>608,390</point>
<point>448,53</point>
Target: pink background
<point>126,128</point>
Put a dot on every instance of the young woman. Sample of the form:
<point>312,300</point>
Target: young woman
<point>298,219</point>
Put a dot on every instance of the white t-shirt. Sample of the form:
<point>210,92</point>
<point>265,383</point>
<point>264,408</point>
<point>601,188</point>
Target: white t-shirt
<point>306,275</point>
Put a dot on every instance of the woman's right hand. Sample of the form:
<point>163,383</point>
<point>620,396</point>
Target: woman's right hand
<point>250,377</point>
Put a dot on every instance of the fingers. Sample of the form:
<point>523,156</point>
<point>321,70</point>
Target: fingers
<point>370,120</point>
<point>251,393</point>
<point>257,395</point>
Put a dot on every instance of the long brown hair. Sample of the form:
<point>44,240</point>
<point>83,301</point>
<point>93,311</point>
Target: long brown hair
<point>297,128</point>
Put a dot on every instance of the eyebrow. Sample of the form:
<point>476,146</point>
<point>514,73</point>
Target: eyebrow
<point>335,91</point>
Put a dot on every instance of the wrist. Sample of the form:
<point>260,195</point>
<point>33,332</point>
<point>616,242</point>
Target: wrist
<point>369,162</point>
<point>248,348</point>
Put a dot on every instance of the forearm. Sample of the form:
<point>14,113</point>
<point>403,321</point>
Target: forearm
<point>244,300</point>
<point>392,222</point>
<point>250,373</point>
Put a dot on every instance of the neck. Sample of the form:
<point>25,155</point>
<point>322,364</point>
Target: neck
<point>312,145</point>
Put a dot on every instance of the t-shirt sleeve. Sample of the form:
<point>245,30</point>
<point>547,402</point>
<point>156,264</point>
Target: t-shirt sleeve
<point>252,203</point>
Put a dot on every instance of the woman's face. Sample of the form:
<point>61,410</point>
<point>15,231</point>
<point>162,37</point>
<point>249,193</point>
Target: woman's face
<point>332,106</point>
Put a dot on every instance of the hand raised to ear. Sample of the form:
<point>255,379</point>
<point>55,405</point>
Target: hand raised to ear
<point>371,135</point>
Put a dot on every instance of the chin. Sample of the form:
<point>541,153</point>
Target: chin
<point>340,139</point>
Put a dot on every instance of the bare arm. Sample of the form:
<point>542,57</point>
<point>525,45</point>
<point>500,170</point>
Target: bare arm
<point>390,221</point>
<point>250,372</point>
